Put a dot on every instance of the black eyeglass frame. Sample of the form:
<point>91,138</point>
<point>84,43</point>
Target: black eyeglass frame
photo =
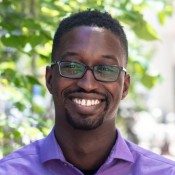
<point>88,68</point>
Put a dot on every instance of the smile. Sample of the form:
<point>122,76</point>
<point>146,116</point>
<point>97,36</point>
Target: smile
<point>86,102</point>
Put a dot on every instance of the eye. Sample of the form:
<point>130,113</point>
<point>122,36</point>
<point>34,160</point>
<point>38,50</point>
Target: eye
<point>72,68</point>
<point>105,69</point>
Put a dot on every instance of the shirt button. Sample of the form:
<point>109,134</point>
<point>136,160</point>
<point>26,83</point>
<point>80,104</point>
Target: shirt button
<point>65,164</point>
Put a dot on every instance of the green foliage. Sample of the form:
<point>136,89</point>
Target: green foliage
<point>26,31</point>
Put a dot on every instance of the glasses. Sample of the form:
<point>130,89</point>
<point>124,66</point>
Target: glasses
<point>75,70</point>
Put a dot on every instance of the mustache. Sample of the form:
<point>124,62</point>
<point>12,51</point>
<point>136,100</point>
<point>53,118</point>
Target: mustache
<point>80,90</point>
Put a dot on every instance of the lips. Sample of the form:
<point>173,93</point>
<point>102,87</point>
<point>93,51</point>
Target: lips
<point>85,104</point>
<point>86,107</point>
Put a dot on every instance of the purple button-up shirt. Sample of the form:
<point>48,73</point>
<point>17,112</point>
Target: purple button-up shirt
<point>45,157</point>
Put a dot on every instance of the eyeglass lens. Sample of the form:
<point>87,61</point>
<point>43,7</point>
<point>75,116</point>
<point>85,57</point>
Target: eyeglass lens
<point>77,70</point>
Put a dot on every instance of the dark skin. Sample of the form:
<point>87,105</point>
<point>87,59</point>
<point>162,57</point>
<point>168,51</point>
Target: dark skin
<point>87,148</point>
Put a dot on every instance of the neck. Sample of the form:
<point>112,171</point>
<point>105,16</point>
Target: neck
<point>86,149</point>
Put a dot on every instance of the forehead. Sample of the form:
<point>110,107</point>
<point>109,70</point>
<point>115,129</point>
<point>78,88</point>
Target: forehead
<point>90,41</point>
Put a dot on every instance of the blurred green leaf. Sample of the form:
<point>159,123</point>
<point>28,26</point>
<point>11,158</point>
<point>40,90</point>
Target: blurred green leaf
<point>15,41</point>
<point>161,16</point>
<point>20,106</point>
<point>149,80</point>
<point>16,134</point>
<point>32,80</point>
<point>30,24</point>
<point>145,31</point>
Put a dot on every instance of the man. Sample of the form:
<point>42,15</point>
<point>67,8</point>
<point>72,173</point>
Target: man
<point>87,79</point>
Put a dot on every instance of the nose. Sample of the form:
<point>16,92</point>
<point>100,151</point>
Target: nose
<point>88,82</point>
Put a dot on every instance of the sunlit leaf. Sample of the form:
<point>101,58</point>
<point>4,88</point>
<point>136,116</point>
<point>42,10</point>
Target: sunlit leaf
<point>149,80</point>
<point>161,16</point>
<point>145,31</point>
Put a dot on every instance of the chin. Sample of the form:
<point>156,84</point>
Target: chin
<point>85,124</point>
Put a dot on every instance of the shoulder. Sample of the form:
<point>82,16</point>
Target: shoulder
<point>22,153</point>
<point>27,155</point>
<point>145,159</point>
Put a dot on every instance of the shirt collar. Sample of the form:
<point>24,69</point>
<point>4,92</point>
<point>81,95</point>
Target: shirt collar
<point>120,150</point>
<point>50,149</point>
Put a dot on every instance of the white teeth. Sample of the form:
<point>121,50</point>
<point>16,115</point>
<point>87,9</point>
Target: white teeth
<point>89,103</point>
<point>85,102</point>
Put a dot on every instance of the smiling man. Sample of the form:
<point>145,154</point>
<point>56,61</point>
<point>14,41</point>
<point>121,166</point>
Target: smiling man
<point>87,79</point>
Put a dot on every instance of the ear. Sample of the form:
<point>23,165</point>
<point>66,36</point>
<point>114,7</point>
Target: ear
<point>126,86</point>
<point>48,77</point>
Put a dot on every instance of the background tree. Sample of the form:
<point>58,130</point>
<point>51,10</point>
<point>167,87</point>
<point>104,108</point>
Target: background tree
<point>26,32</point>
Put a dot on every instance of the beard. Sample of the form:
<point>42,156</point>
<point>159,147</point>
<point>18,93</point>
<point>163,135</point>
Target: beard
<point>85,124</point>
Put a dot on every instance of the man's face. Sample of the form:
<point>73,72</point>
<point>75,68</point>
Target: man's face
<point>87,103</point>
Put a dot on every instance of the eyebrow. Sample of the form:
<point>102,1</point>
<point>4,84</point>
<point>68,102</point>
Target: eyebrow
<point>106,56</point>
<point>70,53</point>
<point>112,57</point>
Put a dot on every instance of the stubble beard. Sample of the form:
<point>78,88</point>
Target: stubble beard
<point>85,124</point>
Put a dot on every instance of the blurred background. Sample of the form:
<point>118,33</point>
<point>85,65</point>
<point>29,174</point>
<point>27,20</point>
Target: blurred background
<point>146,116</point>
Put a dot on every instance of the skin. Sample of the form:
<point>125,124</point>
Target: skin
<point>87,134</point>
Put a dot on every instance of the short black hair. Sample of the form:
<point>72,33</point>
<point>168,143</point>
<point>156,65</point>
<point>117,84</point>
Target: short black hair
<point>90,18</point>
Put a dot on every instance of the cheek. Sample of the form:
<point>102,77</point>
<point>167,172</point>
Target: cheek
<point>114,99</point>
<point>57,87</point>
<point>116,92</point>
<point>60,84</point>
